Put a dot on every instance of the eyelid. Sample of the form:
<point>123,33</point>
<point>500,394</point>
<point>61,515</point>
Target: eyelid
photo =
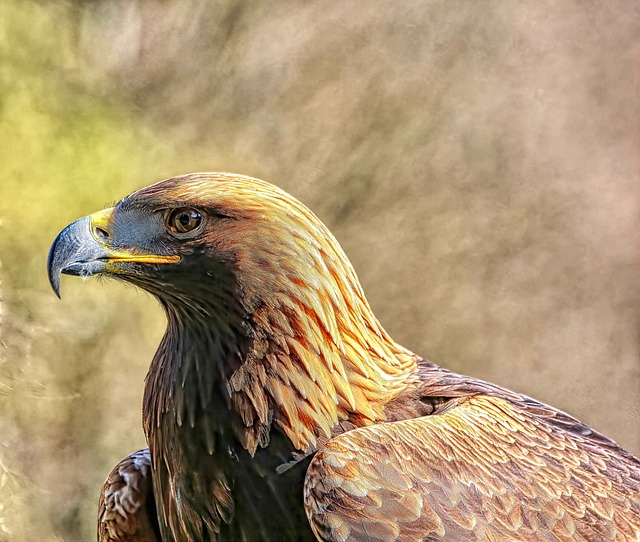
<point>214,213</point>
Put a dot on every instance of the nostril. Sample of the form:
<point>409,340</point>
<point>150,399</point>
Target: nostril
<point>101,233</point>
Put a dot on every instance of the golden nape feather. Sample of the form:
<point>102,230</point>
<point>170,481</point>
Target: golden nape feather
<point>278,408</point>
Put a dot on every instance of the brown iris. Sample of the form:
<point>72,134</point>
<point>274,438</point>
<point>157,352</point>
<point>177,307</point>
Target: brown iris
<point>183,220</point>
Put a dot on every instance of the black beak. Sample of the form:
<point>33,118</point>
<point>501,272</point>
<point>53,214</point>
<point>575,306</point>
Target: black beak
<point>75,252</point>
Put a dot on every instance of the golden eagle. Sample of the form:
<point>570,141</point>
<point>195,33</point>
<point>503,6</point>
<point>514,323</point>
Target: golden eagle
<point>278,408</point>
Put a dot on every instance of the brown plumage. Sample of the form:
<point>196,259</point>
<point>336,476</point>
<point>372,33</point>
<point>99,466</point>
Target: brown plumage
<point>278,408</point>
<point>127,511</point>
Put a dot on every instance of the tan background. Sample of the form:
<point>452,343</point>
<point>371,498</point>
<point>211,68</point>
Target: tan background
<point>479,162</point>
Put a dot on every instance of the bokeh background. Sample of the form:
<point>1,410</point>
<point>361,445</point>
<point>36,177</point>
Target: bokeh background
<point>479,162</point>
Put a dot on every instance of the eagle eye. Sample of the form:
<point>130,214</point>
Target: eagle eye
<point>183,220</point>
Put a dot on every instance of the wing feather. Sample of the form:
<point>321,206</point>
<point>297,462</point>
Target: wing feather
<point>127,512</point>
<point>490,468</point>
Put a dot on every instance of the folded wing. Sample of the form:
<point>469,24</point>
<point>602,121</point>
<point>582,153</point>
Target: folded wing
<point>488,468</point>
<point>127,512</point>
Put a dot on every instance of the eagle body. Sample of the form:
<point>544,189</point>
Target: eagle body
<point>278,408</point>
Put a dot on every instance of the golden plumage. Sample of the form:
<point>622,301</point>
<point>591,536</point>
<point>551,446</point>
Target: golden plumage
<point>273,360</point>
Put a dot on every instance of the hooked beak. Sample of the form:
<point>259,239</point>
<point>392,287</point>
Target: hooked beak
<point>83,249</point>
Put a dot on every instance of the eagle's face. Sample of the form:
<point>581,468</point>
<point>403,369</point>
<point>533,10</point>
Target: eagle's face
<point>197,239</point>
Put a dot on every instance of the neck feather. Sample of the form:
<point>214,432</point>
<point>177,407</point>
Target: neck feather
<point>319,355</point>
<point>322,361</point>
<point>293,342</point>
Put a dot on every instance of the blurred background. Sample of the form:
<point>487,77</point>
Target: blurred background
<point>479,162</point>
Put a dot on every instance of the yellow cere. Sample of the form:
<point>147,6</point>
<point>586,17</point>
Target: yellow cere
<point>100,230</point>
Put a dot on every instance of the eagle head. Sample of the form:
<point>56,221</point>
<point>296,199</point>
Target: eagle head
<point>237,261</point>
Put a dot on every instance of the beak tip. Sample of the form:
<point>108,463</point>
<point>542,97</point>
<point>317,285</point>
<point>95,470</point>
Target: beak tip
<point>56,290</point>
<point>54,282</point>
<point>53,270</point>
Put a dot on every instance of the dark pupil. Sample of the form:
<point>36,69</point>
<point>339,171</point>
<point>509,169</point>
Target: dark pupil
<point>185,220</point>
